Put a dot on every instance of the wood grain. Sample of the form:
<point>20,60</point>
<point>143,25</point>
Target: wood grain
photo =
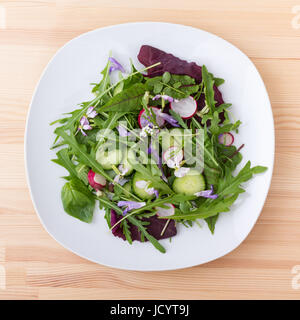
<point>36,267</point>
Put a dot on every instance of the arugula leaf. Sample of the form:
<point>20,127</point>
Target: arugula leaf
<point>104,84</point>
<point>134,221</point>
<point>211,222</point>
<point>88,159</point>
<point>231,185</point>
<point>77,200</point>
<point>177,117</point>
<point>126,231</point>
<point>156,181</point>
<point>143,230</point>
<point>109,124</point>
<point>218,81</point>
<point>82,172</point>
<point>228,190</point>
<point>63,159</point>
<point>135,77</point>
<point>208,89</point>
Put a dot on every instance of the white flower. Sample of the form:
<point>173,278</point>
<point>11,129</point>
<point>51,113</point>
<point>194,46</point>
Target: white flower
<point>142,184</point>
<point>181,172</point>
<point>99,193</point>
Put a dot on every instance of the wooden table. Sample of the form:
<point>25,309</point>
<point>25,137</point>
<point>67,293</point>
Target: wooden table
<point>36,266</point>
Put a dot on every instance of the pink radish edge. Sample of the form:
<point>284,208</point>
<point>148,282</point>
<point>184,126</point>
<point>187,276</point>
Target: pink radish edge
<point>142,112</point>
<point>181,106</point>
<point>224,137</point>
<point>96,181</point>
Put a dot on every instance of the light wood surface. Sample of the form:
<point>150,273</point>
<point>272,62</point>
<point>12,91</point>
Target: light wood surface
<point>36,267</point>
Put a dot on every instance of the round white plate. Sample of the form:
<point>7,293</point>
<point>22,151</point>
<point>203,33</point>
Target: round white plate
<point>65,83</point>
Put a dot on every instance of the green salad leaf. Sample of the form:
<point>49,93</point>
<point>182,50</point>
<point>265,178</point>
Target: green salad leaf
<point>77,200</point>
<point>128,100</point>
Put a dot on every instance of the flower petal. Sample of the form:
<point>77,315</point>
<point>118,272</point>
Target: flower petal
<point>165,97</point>
<point>115,65</point>
<point>168,118</point>
<point>130,205</point>
<point>91,113</point>
<point>181,172</point>
<point>84,121</point>
<point>83,132</point>
<point>122,131</point>
<point>207,193</point>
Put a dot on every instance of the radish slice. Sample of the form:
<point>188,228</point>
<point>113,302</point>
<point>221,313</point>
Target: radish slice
<point>165,212</point>
<point>96,181</point>
<point>226,138</point>
<point>143,119</point>
<point>186,107</point>
<point>173,156</point>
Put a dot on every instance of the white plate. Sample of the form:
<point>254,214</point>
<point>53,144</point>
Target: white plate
<point>65,83</point>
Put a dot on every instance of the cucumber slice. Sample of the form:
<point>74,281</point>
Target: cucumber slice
<point>127,187</point>
<point>189,184</point>
<point>126,165</point>
<point>107,157</point>
<point>140,192</point>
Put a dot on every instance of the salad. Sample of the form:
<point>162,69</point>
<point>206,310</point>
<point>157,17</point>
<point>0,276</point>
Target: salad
<point>154,149</point>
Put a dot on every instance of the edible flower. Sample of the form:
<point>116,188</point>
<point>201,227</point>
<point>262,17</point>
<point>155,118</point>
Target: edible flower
<point>123,170</point>
<point>115,65</point>
<point>84,125</point>
<point>181,172</point>
<point>165,97</point>
<point>168,118</point>
<point>91,113</point>
<point>122,131</point>
<point>120,180</point>
<point>130,205</point>
<point>142,184</point>
<point>149,129</point>
<point>207,193</point>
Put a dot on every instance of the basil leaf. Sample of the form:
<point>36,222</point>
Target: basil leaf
<point>77,201</point>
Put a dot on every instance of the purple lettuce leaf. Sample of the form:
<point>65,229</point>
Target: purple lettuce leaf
<point>149,55</point>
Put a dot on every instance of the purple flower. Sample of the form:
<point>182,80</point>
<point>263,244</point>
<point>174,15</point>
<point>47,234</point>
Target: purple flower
<point>168,118</point>
<point>123,132</point>
<point>165,97</point>
<point>130,205</point>
<point>84,125</point>
<point>123,170</point>
<point>156,193</point>
<point>115,65</point>
<point>153,151</point>
<point>120,180</point>
<point>91,113</point>
<point>207,193</point>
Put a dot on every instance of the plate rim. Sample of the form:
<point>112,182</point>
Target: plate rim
<point>29,112</point>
